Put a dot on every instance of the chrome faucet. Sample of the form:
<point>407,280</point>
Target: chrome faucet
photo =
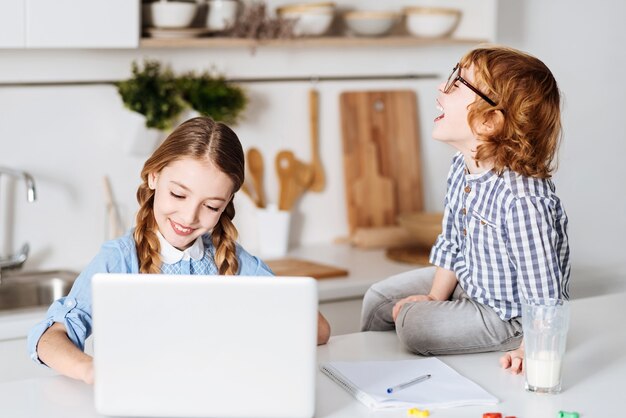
<point>17,260</point>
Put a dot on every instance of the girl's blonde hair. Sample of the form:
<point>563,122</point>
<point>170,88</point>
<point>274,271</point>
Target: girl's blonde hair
<point>528,131</point>
<point>203,139</point>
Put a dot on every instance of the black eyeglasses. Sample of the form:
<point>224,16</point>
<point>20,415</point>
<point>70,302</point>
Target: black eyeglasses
<point>456,76</point>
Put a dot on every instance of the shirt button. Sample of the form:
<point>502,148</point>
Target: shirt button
<point>464,211</point>
<point>467,189</point>
<point>464,231</point>
<point>69,303</point>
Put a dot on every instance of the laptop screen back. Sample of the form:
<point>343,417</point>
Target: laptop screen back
<point>227,346</point>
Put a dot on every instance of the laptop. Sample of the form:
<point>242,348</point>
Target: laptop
<point>210,346</point>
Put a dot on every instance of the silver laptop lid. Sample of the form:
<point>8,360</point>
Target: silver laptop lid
<point>217,346</point>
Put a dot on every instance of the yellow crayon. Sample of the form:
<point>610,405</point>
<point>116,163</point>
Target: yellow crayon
<point>416,412</point>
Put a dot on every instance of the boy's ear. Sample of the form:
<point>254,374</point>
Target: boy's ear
<point>492,122</point>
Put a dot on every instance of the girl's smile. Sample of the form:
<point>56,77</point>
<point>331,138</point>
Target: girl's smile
<point>179,229</point>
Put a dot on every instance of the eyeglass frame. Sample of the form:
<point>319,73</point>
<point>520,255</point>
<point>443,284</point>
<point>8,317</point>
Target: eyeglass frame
<point>451,82</point>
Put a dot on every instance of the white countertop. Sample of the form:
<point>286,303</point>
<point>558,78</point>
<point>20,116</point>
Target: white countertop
<point>16,324</point>
<point>365,267</point>
<point>594,367</point>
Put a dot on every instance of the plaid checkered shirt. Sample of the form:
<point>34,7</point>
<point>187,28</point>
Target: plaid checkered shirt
<point>505,238</point>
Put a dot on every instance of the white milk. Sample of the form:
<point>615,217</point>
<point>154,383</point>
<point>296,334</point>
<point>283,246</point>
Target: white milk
<point>543,369</point>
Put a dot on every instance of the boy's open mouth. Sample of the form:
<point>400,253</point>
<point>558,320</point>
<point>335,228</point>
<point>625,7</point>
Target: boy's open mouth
<point>439,108</point>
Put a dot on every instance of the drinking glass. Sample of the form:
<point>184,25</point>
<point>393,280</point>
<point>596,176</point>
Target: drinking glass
<point>545,322</point>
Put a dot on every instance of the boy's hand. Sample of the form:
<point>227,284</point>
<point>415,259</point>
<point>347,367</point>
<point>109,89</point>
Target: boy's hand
<point>513,360</point>
<point>412,298</point>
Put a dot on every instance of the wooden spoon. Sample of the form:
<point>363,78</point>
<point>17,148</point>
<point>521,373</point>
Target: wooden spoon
<point>294,176</point>
<point>255,164</point>
<point>285,169</point>
<point>305,175</point>
<point>318,181</point>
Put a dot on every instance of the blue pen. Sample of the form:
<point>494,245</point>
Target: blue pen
<point>407,384</point>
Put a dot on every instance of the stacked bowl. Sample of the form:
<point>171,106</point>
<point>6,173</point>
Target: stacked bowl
<point>431,22</point>
<point>312,19</point>
<point>370,23</point>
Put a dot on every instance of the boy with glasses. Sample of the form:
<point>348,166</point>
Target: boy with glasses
<point>504,232</point>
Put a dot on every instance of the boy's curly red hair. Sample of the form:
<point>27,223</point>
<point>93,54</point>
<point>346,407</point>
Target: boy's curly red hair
<point>528,132</point>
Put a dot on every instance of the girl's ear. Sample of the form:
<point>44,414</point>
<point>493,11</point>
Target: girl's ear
<point>492,122</point>
<point>152,178</point>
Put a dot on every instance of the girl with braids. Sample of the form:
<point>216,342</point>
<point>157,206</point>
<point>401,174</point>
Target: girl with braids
<point>183,226</point>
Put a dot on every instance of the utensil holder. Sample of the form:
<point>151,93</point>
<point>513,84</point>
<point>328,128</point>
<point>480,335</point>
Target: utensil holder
<point>273,235</point>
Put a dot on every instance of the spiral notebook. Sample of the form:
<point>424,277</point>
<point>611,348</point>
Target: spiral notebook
<point>368,381</point>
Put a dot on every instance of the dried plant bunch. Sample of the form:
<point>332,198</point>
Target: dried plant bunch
<point>255,23</point>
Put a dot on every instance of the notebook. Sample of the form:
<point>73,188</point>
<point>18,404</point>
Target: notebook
<point>211,346</point>
<point>368,382</point>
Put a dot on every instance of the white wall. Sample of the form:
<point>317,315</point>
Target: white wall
<point>69,137</point>
<point>583,44</point>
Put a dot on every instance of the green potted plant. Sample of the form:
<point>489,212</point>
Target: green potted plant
<point>152,91</point>
<point>212,96</point>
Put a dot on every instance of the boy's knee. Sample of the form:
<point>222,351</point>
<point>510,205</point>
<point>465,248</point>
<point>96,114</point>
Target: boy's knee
<point>414,340</point>
<point>373,296</point>
<point>414,330</point>
<point>374,311</point>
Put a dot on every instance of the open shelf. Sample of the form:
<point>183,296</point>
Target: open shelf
<point>337,41</point>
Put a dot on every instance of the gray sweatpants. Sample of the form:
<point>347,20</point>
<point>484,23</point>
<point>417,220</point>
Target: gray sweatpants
<point>459,325</point>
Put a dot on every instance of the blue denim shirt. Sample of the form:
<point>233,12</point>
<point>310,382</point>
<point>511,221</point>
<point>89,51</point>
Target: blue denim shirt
<point>120,256</point>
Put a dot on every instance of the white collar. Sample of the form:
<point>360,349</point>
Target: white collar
<point>171,255</point>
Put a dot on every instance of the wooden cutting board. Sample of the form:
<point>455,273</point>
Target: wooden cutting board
<point>374,195</point>
<point>412,255</point>
<point>388,120</point>
<point>297,267</point>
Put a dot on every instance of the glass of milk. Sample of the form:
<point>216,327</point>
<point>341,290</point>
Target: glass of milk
<point>545,323</point>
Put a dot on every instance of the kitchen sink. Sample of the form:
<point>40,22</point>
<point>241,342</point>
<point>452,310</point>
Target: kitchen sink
<point>27,289</point>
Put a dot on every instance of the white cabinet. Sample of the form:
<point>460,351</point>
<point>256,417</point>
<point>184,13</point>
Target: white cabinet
<point>82,23</point>
<point>69,24</point>
<point>12,24</point>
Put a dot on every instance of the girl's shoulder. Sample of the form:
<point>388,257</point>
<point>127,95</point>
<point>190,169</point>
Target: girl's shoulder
<point>249,265</point>
<point>121,251</point>
<point>125,243</point>
<point>115,256</point>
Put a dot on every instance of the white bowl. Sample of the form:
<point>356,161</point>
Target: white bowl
<point>326,7</point>
<point>309,22</point>
<point>431,22</point>
<point>172,14</point>
<point>373,23</point>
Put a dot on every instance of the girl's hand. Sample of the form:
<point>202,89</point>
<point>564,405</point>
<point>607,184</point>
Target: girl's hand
<point>412,298</point>
<point>513,360</point>
<point>87,371</point>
